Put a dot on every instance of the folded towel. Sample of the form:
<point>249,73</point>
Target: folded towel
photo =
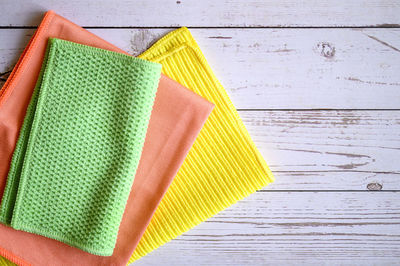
<point>177,117</point>
<point>80,145</point>
<point>223,165</point>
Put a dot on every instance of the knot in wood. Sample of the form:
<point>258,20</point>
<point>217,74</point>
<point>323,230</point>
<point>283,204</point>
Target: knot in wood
<point>326,49</point>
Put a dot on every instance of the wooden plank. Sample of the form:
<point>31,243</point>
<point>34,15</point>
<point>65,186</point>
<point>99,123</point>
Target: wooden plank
<point>327,140</point>
<point>345,180</point>
<point>278,68</point>
<point>281,228</point>
<point>207,13</point>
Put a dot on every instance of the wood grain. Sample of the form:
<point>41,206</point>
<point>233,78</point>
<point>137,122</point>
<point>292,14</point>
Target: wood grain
<point>207,13</point>
<point>345,180</point>
<point>281,228</point>
<point>327,140</point>
<point>278,68</point>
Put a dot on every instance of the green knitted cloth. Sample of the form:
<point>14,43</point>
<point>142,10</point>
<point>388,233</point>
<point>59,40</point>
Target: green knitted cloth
<point>80,145</point>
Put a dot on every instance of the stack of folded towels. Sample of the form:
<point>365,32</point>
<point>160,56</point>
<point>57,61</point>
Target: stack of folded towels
<point>104,159</point>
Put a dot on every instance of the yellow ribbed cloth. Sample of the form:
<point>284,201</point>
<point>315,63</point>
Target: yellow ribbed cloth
<point>222,167</point>
<point>6,262</point>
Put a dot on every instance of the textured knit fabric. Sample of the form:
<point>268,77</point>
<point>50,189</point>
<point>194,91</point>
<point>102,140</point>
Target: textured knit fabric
<point>223,165</point>
<point>80,145</point>
<point>178,115</point>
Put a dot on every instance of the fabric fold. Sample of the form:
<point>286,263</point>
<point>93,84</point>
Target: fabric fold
<point>177,117</point>
<point>223,166</point>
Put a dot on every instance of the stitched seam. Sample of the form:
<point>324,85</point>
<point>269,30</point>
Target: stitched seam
<point>61,237</point>
<point>105,53</point>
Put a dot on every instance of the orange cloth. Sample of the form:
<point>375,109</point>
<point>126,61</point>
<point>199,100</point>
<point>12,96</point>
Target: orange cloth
<point>177,117</point>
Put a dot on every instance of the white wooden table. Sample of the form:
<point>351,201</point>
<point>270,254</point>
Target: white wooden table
<point>317,84</point>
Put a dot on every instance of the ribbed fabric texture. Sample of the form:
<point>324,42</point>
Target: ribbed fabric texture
<point>5,262</point>
<point>80,145</point>
<point>223,165</point>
